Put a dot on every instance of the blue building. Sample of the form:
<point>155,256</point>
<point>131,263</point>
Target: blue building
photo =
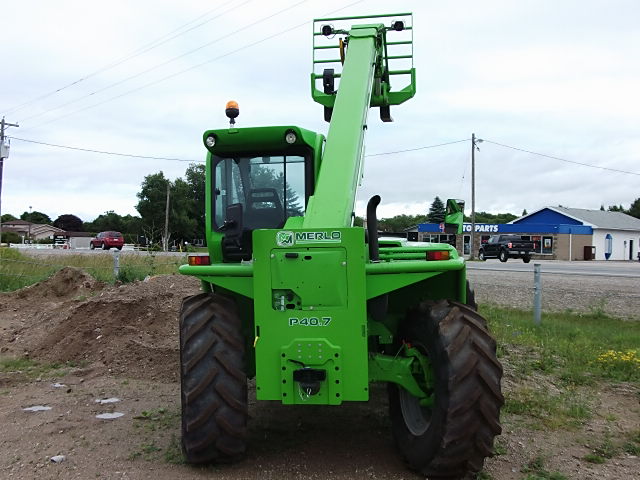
<point>557,232</point>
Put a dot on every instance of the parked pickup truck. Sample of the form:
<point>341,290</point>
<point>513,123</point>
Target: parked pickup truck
<point>505,246</point>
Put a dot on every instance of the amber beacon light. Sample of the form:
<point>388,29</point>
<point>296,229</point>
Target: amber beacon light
<point>232,111</point>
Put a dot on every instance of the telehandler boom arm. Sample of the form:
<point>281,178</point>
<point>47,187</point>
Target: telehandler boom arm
<point>364,82</point>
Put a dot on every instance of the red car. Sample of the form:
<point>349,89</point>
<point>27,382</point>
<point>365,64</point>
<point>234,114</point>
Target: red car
<point>107,240</point>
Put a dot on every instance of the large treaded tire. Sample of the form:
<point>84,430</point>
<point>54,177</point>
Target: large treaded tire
<point>454,436</point>
<point>212,379</point>
<point>503,256</point>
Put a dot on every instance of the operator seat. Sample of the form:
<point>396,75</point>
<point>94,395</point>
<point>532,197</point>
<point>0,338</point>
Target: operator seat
<point>264,209</point>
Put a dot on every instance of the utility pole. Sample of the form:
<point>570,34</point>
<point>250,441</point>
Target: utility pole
<point>473,193</point>
<point>4,153</point>
<point>166,221</point>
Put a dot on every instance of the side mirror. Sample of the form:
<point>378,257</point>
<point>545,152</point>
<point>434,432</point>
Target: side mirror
<point>454,217</point>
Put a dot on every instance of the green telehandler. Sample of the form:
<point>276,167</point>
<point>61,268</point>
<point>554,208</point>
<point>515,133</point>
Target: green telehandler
<point>316,309</point>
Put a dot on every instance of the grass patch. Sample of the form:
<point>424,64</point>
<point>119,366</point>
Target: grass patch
<point>18,270</point>
<point>146,451</point>
<point>173,453</point>
<point>32,369</point>
<point>631,448</point>
<point>482,475</point>
<point>566,409</point>
<point>159,419</point>
<point>576,348</point>
<point>594,458</point>
<point>154,427</point>
<point>535,470</point>
<point>499,448</point>
<point>609,449</point>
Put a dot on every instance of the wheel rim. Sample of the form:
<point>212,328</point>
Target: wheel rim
<point>414,415</point>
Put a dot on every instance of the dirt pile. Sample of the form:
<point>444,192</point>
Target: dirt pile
<point>129,329</point>
<point>68,282</point>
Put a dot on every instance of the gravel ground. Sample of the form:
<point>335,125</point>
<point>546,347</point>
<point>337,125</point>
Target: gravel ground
<point>615,296</point>
<point>124,341</point>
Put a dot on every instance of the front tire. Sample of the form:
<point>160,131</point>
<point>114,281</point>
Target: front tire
<point>526,259</point>
<point>451,438</point>
<point>504,256</point>
<point>212,379</point>
<point>481,256</point>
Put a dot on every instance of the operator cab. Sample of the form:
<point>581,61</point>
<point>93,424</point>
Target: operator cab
<point>270,188</point>
<point>259,177</point>
<point>257,191</point>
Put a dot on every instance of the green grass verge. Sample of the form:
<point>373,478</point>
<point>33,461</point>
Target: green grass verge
<point>18,270</point>
<point>578,349</point>
<point>556,367</point>
<point>33,369</point>
<point>566,409</point>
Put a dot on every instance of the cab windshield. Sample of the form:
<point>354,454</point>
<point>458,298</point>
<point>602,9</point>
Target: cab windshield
<point>270,188</point>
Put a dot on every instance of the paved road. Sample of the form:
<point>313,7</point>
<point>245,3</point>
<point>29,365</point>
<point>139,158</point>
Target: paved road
<point>591,268</point>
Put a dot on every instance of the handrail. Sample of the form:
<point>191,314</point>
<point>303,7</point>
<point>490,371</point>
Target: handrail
<point>363,17</point>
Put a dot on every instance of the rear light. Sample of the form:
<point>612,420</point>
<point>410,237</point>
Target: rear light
<point>199,260</point>
<point>510,245</point>
<point>438,255</point>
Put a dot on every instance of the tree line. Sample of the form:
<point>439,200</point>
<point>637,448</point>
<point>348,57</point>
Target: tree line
<point>633,210</point>
<point>437,211</point>
<point>435,214</point>
<point>187,212</point>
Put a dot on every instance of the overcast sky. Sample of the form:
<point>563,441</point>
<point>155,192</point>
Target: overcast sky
<point>556,77</point>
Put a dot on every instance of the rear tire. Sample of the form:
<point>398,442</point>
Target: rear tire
<point>481,256</point>
<point>212,379</point>
<point>104,246</point>
<point>92,246</point>
<point>526,259</point>
<point>504,256</point>
<point>452,438</point>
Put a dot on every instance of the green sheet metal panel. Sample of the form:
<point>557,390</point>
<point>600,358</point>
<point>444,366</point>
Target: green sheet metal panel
<point>327,329</point>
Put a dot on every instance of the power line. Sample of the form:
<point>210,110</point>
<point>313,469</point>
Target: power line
<point>168,77</point>
<point>561,159</point>
<point>155,67</point>
<point>145,48</point>
<point>120,154</point>
<point>103,152</point>
<point>417,148</point>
